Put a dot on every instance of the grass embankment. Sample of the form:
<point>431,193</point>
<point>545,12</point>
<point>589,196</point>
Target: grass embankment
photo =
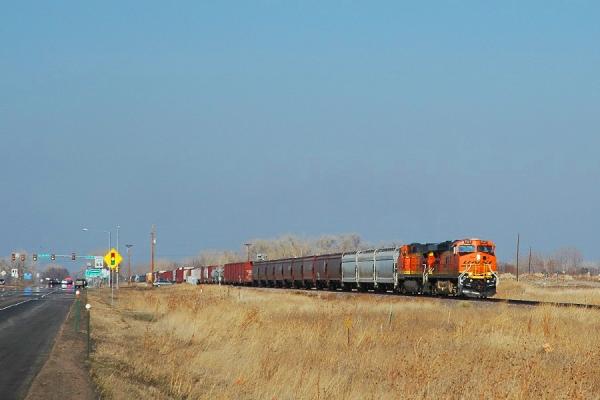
<point>219,343</point>
<point>551,290</point>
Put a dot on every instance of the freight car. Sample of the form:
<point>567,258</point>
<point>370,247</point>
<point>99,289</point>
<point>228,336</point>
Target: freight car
<point>182,273</point>
<point>237,273</point>
<point>465,267</point>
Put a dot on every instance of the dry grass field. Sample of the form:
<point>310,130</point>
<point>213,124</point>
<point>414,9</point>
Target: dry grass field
<point>192,342</point>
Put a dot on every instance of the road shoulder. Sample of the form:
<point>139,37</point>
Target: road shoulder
<point>65,375</point>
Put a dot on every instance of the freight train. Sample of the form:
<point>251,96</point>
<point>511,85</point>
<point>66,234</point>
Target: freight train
<point>465,267</point>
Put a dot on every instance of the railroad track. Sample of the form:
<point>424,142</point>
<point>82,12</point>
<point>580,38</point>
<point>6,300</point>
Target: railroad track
<point>539,303</point>
<point>516,302</point>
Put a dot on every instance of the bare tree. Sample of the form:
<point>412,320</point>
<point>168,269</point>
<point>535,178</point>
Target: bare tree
<point>282,247</point>
<point>566,259</point>
<point>214,257</point>
<point>57,272</point>
<point>538,262</point>
<point>295,246</point>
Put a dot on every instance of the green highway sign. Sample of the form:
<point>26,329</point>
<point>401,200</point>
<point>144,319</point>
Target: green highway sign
<point>93,273</point>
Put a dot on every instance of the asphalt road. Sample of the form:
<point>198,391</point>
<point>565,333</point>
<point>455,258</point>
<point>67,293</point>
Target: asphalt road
<point>29,322</point>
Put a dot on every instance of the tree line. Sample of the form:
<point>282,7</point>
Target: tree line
<point>566,260</point>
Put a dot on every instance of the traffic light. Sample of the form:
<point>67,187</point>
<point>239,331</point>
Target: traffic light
<point>14,257</point>
<point>73,257</point>
<point>35,257</point>
<point>53,257</point>
<point>23,257</point>
<point>113,260</point>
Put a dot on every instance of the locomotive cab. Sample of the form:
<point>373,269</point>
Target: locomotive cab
<point>476,262</point>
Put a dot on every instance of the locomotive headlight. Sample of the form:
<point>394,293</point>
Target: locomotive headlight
<point>478,257</point>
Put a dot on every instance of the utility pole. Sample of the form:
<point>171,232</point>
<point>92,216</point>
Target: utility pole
<point>529,260</point>
<point>518,240</point>
<point>248,250</point>
<point>129,246</point>
<point>152,244</point>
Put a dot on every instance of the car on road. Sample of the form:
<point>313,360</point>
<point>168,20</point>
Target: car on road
<point>2,281</point>
<point>162,282</point>
<point>53,282</point>
<point>67,283</point>
<point>80,283</point>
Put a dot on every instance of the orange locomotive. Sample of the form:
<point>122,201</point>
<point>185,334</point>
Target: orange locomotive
<point>461,267</point>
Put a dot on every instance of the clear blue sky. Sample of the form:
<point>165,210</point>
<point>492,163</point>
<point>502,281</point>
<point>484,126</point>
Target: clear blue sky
<point>225,121</point>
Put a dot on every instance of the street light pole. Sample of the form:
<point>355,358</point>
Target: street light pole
<point>117,269</point>
<point>129,246</point>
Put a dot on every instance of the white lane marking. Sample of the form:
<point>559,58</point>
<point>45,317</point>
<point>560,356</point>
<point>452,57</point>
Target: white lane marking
<point>16,304</point>
<point>26,301</point>
<point>44,295</point>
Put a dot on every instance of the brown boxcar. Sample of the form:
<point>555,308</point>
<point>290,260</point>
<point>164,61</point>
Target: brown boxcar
<point>179,275</point>
<point>165,276</point>
<point>182,273</point>
<point>238,273</point>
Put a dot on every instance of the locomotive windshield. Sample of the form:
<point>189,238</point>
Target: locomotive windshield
<point>486,249</point>
<point>466,249</point>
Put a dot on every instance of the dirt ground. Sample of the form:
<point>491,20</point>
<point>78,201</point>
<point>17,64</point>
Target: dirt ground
<point>65,375</point>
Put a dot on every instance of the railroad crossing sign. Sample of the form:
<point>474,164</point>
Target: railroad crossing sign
<point>113,258</point>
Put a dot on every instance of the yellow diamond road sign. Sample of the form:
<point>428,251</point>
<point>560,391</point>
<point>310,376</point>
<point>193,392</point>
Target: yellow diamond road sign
<point>113,259</point>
